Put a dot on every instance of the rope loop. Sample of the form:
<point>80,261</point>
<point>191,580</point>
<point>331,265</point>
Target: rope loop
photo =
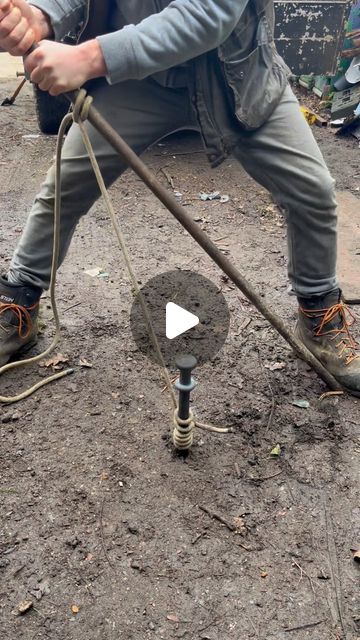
<point>81,106</point>
<point>183,431</point>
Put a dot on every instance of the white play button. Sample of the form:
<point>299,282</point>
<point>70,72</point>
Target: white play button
<point>178,320</point>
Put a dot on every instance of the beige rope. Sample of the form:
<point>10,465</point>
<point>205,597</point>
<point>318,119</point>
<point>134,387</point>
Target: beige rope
<point>55,259</point>
<point>183,430</point>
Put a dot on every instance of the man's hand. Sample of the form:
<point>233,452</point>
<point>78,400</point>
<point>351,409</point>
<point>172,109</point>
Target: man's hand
<point>20,26</point>
<point>57,67</point>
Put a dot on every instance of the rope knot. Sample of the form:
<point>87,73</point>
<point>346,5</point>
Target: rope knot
<point>81,106</point>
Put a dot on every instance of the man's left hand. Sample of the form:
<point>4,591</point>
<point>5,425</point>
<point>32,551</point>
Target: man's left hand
<point>57,67</point>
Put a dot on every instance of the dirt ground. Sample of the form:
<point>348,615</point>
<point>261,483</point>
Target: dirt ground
<point>98,515</point>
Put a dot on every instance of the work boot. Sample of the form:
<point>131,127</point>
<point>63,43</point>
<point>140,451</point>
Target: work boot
<point>324,327</point>
<point>19,308</point>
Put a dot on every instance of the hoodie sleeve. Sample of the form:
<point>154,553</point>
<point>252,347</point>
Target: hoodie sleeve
<point>183,30</point>
<point>66,16</point>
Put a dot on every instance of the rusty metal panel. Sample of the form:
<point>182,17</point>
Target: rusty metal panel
<point>309,35</point>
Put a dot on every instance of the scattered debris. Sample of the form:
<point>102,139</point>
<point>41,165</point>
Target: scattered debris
<point>85,363</point>
<point>337,123</point>
<point>276,451</point>
<point>173,618</point>
<point>75,609</point>
<point>239,523</point>
<point>303,404</point>
<point>216,516</point>
<point>25,606</point>
<point>97,272</point>
<point>274,366</point>
<point>168,177</point>
<point>264,574</point>
<point>215,195</point>
<point>312,117</point>
<point>41,589</point>
<point>356,554</point>
<point>55,362</point>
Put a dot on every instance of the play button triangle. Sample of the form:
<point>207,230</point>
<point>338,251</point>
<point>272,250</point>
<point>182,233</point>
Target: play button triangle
<point>178,320</point>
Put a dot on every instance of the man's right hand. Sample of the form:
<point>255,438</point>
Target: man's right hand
<point>20,26</point>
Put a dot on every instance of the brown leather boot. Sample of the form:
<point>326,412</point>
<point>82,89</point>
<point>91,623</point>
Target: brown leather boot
<point>19,308</point>
<point>324,327</point>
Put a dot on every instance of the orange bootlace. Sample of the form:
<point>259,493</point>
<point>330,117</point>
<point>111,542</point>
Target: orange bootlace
<point>346,343</point>
<point>23,317</point>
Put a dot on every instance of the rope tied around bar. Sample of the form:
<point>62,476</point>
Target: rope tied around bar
<point>81,106</point>
<point>183,431</point>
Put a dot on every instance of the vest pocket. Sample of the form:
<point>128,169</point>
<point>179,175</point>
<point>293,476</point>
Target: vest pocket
<point>257,81</point>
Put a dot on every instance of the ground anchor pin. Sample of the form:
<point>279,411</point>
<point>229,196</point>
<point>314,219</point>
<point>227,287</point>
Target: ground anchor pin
<point>183,417</point>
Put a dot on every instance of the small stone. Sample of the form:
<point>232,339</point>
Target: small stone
<point>151,626</point>
<point>25,606</point>
<point>133,529</point>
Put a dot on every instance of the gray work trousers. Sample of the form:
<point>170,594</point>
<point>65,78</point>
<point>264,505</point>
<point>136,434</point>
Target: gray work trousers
<point>282,156</point>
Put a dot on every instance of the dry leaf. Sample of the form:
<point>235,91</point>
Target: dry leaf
<point>172,617</point>
<point>104,475</point>
<point>89,557</point>
<point>264,574</point>
<point>25,606</point>
<point>85,363</point>
<point>75,609</point>
<point>55,361</point>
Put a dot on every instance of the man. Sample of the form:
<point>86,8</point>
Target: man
<point>157,66</point>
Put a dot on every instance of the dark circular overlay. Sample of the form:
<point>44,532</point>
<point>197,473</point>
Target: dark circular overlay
<point>195,294</point>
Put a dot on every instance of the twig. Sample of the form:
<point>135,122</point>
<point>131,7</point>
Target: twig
<point>237,469</point>
<point>200,535</point>
<point>179,153</point>
<point>102,535</point>
<point>302,571</point>
<point>273,475</point>
<point>218,517</point>
<point>273,401</point>
<point>214,621</point>
<point>77,304</point>
<point>243,326</point>
<point>256,631</point>
<point>310,625</point>
<point>168,177</point>
<point>330,538</point>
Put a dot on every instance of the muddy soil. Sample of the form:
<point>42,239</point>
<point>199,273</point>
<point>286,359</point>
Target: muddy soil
<point>103,527</point>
